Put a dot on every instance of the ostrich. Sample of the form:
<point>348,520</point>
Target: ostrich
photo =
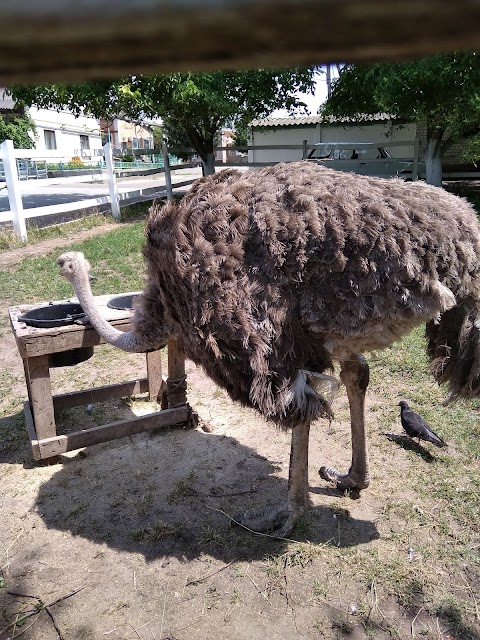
<point>267,278</point>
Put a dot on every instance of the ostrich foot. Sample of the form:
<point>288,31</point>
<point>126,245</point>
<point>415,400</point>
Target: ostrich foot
<point>277,521</point>
<point>345,481</point>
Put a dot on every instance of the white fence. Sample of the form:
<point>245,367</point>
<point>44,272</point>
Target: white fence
<point>18,214</point>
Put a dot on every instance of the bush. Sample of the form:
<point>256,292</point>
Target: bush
<point>76,163</point>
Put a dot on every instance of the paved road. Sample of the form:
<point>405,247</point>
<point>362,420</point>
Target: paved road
<point>36,194</point>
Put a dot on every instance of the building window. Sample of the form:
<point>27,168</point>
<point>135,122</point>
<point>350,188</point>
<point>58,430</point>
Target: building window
<point>50,141</point>
<point>84,142</point>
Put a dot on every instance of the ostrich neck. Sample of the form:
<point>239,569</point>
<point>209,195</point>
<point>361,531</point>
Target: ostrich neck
<point>125,340</point>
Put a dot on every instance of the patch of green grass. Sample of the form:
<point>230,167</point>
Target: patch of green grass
<point>183,489</point>
<point>212,537</point>
<point>9,240</point>
<point>160,530</point>
<point>320,589</point>
<point>116,260</point>
<point>144,505</point>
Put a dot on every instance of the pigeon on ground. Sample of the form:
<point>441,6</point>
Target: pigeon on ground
<point>416,427</point>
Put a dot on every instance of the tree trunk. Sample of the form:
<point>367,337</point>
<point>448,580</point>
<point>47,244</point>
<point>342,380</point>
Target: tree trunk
<point>208,165</point>
<point>433,159</point>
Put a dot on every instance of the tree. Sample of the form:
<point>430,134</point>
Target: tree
<point>157,136</point>
<point>441,91</point>
<point>194,107</point>
<point>20,129</point>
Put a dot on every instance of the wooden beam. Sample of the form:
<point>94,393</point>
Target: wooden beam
<point>50,447</point>
<point>176,381</point>
<point>100,394</point>
<point>41,396</point>
<point>156,384</point>
<point>32,434</point>
<point>59,40</point>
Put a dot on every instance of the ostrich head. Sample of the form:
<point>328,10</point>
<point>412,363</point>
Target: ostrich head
<point>73,266</point>
<point>76,269</point>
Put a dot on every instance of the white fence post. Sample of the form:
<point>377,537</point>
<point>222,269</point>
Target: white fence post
<point>13,188</point>
<point>112,180</point>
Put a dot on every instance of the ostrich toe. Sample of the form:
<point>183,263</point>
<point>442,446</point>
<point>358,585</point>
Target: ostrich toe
<point>344,481</point>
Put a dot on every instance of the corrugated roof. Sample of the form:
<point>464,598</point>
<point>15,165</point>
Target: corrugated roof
<point>6,102</point>
<point>291,121</point>
<point>294,121</point>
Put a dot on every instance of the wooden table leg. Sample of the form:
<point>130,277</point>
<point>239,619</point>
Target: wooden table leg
<point>27,378</point>
<point>38,382</point>
<point>176,382</point>
<point>154,375</point>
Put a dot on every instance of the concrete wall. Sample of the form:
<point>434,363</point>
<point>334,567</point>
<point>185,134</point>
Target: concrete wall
<point>377,132</point>
<point>278,136</point>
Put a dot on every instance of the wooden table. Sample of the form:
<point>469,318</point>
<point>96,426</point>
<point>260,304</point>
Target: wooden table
<point>36,345</point>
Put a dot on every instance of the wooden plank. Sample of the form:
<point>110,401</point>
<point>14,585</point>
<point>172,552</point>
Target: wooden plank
<point>176,386</point>
<point>41,396</point>
<point>40,344</point>
<point>31,431</point>
<point>50,447</point>
<point>100,394</point>
<point>32,341</point>
<point>154,375</point>
<point>27,379</point>
<point>60,41</point>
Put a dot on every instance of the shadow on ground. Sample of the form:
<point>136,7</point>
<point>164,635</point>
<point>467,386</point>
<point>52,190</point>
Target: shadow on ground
<point>168,494</point>
<point>410,445</point>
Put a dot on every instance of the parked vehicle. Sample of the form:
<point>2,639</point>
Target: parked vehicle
<point>366,158</point>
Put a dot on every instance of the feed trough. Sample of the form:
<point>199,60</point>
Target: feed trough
<point>59,315</point>
<point>52,334</point>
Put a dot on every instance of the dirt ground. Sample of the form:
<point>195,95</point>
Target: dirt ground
<point>137,531</point>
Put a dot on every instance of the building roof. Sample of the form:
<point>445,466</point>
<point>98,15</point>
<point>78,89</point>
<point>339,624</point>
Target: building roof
<point>290,121</point>
<point>295,121</point>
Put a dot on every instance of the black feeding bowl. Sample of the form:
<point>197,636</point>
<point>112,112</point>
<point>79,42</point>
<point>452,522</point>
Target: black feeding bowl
<point>59,315</point>
<point>53,315</point>
<point>122,302</point>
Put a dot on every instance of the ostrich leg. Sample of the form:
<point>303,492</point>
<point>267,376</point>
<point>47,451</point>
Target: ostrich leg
<point>355,376</point>
<point>281,520</point>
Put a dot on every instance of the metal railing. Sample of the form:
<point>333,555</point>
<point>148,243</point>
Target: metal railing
<point>27,169</point>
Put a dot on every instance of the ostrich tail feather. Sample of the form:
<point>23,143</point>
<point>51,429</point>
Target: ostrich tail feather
<point>454,350</point>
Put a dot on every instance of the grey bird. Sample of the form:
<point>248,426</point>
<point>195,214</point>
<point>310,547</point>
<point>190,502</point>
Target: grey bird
<point>416,427</point>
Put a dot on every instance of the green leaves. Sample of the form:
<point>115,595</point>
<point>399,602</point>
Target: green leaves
<point>21,130</point>
<point>194,106</point>
<point>441,91</point>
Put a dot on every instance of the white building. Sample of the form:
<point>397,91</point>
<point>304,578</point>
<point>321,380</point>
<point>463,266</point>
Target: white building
<point>73,137</point>
<point>295,131</point>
